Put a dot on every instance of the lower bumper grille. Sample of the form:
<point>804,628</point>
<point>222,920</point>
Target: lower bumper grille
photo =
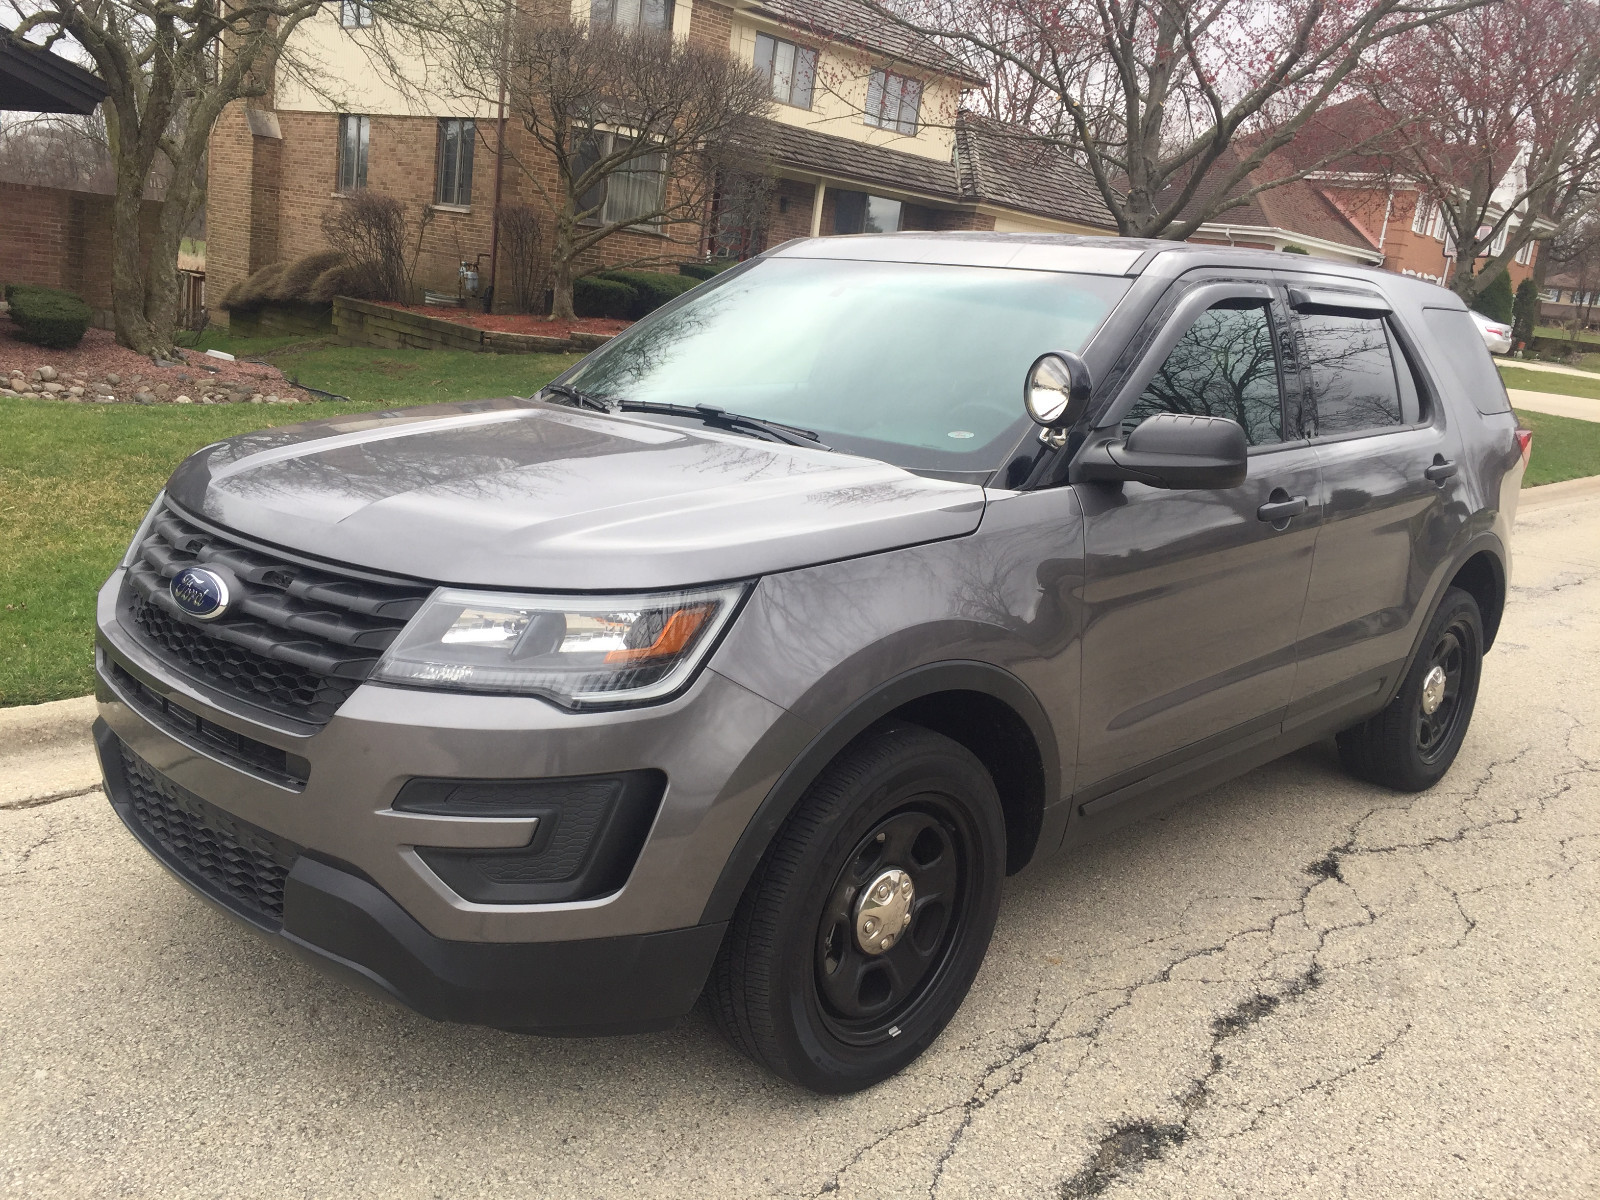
<point>225,856</point>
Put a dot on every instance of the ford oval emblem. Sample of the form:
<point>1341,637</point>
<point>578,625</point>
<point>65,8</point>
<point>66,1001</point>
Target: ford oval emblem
<point>201,593</point>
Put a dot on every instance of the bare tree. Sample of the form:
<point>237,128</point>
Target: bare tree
<point>170,66</point>
<point>1511,136</point>
<point>57,151</point>
<point>629,127</point>
<point>1172,105</point>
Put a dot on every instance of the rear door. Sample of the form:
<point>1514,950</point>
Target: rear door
<point>1392,502</point>
<point>1193,598</point>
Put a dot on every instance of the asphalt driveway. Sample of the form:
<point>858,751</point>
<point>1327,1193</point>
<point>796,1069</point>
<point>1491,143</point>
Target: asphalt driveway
<point>1295,985</point>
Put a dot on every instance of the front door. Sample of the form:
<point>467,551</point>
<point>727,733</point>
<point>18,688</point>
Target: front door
<point>1193,599</point>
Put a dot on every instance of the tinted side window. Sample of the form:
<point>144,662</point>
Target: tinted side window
<point>1223,366</point>
<point>1353,384</point>
<point>1461,346</point>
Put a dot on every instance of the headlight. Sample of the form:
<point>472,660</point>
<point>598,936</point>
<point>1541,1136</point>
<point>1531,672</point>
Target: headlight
<point>581,651</point>
<point>144,530</point>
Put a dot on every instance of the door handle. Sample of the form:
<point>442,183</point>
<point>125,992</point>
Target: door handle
<point>1440,471</point>
<point>1281,510</point>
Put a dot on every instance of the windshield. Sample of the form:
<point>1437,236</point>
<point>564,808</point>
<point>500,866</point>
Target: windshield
<point>918,364</point>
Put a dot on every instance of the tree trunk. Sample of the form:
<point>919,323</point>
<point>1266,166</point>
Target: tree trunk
<point>561,270</point>
<point>127,263</point>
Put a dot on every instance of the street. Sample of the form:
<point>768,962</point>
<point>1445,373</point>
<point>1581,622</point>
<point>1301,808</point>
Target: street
<point>1295,985</point>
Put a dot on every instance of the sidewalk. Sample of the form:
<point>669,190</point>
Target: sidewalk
<point>1583,408</point>
<point>46,753</point>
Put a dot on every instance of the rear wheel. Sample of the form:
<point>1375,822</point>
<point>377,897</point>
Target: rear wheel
<point>863,928</point>
<point>1411,743</point>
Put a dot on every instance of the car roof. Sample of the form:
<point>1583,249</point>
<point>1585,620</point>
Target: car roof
<point>1094,256</point>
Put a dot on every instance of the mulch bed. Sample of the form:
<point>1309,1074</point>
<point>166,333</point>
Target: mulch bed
<point>97,370</point>
<point>517,322</point>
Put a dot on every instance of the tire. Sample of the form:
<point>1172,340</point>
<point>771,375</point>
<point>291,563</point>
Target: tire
<point>1406,747</point>
<point>796,986</point>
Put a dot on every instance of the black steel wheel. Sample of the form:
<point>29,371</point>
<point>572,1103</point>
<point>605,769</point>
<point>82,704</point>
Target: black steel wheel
<point>863,928</point>
<point>1411,743</point>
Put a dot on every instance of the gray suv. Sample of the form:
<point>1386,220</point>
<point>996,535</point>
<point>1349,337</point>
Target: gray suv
<point>749,657</point>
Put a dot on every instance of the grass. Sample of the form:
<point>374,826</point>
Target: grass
<point>1550,381</point>
<point>391,378</point>
<point>1563,448</point>
<point>1553,331</point>
<point>75,480</point>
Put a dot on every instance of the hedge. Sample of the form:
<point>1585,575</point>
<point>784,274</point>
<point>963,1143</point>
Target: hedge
<point>706,269</point>
<point>651,289</point>
<point>47,317</point>
<point>596,297</point>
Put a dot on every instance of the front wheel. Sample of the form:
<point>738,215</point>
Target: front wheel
<point>865,924</point>
<point>1411,743</point>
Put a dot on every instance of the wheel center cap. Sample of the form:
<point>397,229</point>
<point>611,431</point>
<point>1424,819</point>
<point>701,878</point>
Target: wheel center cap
<point>884,911</point>
<point>1433,691</point>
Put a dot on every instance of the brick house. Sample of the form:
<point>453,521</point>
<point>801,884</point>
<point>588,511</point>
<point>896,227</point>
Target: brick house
<point>1359,208</point>
<point>866,133</point>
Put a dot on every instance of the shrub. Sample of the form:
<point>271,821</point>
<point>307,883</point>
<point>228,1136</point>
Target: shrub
<point>371,232</point>
<point>524,262</point>
<point>1494,301</point>
<point>593,296</point>
<point>254,291</point>
<point>651,289</point>
<point>1291,248</point>
<point>1525,311</point>
<point>707,268</point>
<point>47,317</point>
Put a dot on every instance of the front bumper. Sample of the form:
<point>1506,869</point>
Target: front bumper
<point>359,898</point>
<point>347,925</point>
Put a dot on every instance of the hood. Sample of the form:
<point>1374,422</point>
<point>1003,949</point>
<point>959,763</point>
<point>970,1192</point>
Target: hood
<point>517,493</point>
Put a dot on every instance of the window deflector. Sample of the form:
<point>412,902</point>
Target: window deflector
<point>1198,299</point>
<point>1338,303</point>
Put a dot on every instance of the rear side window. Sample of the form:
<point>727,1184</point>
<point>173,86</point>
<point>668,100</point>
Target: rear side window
<point>1461,346</point>
<point>1351,366</point>
<point>1223,366</point>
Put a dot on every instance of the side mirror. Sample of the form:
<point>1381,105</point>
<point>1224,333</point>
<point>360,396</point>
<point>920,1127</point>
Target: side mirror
<point>1057,390</point>
<point>1170,450</point>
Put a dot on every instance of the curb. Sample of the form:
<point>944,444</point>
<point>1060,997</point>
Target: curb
<point>33,727</point>
<point>1568,491</point>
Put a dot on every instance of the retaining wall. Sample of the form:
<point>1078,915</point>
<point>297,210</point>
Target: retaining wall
<point>363,323</point>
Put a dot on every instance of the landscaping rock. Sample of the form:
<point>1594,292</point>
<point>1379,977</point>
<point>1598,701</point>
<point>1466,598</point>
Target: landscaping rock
<point>75,391</point>
<point>144,397</point>
<point>9,394</point>
<point>53,389</point>
<point>183,400</point>
<point>113,378</point>
<point>45,373</point>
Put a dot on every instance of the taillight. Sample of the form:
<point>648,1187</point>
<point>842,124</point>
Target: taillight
<point>1525,444</point>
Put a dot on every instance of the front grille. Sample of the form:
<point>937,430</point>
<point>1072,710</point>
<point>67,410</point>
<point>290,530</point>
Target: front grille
<point>295,640</point>
<point>241,862</point>
<point>233,748</point>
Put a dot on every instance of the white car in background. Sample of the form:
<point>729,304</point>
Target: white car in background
<point>1495,335</point>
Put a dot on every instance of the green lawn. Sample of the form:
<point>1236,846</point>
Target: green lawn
<point>76,479</point>
<point>1550,381</point>
<point>1563,448</point>
<point>1553,331</point>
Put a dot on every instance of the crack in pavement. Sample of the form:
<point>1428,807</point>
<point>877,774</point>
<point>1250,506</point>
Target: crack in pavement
<point>41,801</point>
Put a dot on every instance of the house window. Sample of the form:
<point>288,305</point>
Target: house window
<point>1422,216</point>
<point>1525,255</point>
<point>353,15</point>
<point>857,212</point>
<point>790,69</point>
<point>352,153</point>
<point>1499,243</point>
<point>633,192</point>
<point>631,14</point>
<point>893,101</point>
<point>455,162</point>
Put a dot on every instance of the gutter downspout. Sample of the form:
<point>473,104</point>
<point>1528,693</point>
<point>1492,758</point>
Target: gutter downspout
<point>816,208</point>
<point>499,161</point>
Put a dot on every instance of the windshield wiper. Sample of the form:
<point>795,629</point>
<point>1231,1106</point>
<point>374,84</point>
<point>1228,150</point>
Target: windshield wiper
<point>774,431</point>
<point>581,399</point>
